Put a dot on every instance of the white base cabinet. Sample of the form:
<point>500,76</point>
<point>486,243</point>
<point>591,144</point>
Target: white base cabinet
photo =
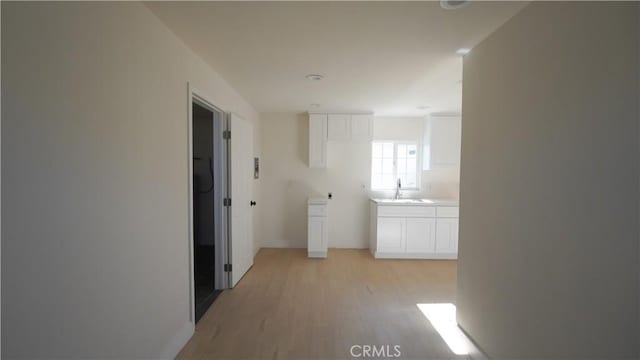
<point>421,235</point>
<point>447,236</point>
<point>414,232</point>
<point>391,235</point>
<point>317,228</point>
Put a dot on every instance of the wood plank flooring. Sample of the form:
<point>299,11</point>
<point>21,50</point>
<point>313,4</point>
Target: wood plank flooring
<point>291,307</point>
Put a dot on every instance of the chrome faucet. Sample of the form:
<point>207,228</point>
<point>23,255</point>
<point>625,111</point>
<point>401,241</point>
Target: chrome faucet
<point>398,187</point>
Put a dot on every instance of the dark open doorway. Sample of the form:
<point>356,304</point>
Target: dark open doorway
<point>205,184</point>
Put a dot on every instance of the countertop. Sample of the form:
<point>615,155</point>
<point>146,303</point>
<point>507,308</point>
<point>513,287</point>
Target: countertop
<point>317,201</point>
<point>417,202</point>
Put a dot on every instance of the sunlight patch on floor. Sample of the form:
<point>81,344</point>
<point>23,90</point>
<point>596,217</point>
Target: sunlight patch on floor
<point>443,318</point>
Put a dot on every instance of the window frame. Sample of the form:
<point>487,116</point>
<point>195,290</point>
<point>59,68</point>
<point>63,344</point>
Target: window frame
<point>395,164</point>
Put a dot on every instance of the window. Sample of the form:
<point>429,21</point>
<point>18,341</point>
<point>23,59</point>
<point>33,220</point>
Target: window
<point>391,161</point>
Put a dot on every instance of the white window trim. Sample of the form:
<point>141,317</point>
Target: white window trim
<point>395,159</point>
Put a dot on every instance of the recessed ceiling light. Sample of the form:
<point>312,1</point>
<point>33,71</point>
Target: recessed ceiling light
<point>314,77</point>
<point>463,51</point>
<point>453,4</point>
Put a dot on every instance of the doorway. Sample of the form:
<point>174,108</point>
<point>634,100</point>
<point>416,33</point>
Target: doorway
<point>221,169</point>
<point>207,192</point>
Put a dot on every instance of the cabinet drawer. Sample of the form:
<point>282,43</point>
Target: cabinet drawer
<point>317,210</point>
<point>406,211</point>
<point>448,211</point>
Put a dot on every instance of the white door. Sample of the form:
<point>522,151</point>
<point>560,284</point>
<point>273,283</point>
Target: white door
<point>391,235</point>
<point>241,194</point>
<point>421,235</point>
<point>447,235</point>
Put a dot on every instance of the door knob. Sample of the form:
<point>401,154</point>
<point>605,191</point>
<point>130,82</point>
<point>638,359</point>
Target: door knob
<point>253,203</point>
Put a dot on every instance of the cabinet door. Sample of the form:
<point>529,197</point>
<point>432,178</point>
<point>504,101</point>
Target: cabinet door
<point>421,235</point>
<point>317,140</point>
<point>361,127</point>
<point>391,235</point>
<point>316,233</point>
<point>339,127</point>
<point>445,141</point>
<point>447,235</point>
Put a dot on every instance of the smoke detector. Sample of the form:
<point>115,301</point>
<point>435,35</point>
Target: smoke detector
<point>453,4</point>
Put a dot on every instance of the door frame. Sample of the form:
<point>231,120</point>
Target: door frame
<point>221,244</point>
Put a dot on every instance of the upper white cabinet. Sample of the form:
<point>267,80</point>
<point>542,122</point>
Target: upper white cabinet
<point>361,127</point>
<point>317,140</point>
<point>335,127</point>
<point>339,127</point>
<point>445,133</point>
<point>354,127</point>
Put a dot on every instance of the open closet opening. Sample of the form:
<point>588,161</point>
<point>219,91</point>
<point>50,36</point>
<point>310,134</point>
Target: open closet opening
<point>207,171</point>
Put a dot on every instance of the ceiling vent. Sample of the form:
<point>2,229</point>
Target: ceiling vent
<point>453,4</point>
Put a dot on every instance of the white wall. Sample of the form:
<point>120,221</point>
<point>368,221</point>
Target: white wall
<point>0,187</point>
<point>288,181</point>
<point>548,261</point>
<point>95,190</point>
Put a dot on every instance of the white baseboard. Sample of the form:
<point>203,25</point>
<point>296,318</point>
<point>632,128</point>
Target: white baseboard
<point>435,256</point>
<point>317,254</point>
<point>178,341</point>
<point>341,247</point>
<point>287,245</point>
<point>282,244</point>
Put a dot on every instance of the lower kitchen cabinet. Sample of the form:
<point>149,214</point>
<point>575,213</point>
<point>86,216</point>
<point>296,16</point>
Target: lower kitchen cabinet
<point>414,232</point>
<point>391,235</point>
<point>446,236</point>
<point>421,235</point>
<point>317,228</point>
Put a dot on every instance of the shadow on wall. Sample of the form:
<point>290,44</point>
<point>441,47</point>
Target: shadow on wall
<point>298,191</point>
<point>303,137</point>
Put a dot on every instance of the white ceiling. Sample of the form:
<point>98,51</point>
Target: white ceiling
<point>385,57</point>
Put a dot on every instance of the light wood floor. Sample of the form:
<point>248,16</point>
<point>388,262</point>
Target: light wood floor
<point>291,307</point>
